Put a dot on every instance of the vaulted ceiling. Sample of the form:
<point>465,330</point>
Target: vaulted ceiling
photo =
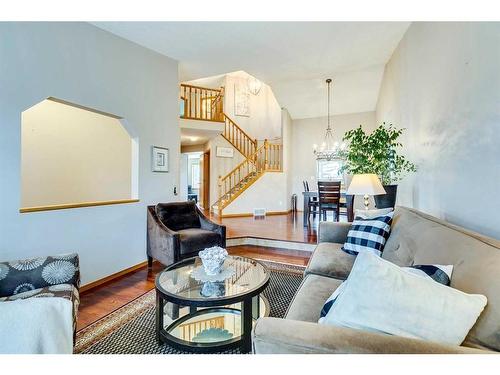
<point>294,58</point>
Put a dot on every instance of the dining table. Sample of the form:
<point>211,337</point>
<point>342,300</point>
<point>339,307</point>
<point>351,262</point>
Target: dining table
<point>346,201</point>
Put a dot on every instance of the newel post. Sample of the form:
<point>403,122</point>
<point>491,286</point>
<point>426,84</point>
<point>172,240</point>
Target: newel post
<point>266,154</point>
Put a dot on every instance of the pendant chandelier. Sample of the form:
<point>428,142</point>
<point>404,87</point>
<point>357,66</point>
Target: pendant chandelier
<point>254,85</point>
<point>329,149</point>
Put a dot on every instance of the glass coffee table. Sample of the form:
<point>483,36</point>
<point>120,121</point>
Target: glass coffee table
<point>210,316</point>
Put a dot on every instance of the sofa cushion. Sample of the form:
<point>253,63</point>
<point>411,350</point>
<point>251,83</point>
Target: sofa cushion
<point>329,260</point>
<point>24,275</point>
<point>195,239</point>
<point>312,294</point>
<point>417,238</point>
<point>178,215</point>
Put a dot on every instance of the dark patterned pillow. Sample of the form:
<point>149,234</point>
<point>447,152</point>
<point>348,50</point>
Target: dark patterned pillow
<point>28,274</point>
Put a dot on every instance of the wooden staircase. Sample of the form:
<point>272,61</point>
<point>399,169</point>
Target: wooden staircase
<point>238,138</point>
<point>201,103</point>
<point>267,158</point>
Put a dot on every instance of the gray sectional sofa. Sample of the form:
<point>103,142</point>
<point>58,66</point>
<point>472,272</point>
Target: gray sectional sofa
<point>416,238</point>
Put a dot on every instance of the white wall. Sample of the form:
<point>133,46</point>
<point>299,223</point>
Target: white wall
<point>264,121</point>
<point>72,155</point>
<point>443,84</point>
<point>306,133</point>
<point>268,192</point>
<point>183,177</point>
<point>220,166</point>
<point>82,64</point>
<point>287,129</point>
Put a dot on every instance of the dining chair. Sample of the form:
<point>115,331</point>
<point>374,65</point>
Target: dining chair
<point>312,201</point>
<point>329,198</point>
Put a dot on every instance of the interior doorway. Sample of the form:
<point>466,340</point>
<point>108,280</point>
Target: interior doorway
<point>205,180</point>
<point>195,178</point>
<point>191,176</point>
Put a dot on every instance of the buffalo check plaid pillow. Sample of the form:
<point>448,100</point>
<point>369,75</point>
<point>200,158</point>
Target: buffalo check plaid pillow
<point>368,234</point>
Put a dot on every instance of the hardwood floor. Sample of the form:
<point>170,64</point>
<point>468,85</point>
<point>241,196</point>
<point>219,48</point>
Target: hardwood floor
<point>277,227</point>
<point>106,298</point>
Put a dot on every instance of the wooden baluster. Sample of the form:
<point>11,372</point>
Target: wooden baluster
<point>186,103</point>
<point>191,102</point>
<point>266,154</point>
<point>203,107</point>
<point>237,139</point>
<point>196,103</point>
<point>275,158</point>
<point>208,103</point>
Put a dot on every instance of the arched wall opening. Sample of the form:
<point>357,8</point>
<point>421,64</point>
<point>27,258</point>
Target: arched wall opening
<point>74,156</point>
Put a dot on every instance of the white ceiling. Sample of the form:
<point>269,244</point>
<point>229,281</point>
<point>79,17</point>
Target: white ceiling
<point>294,58</point>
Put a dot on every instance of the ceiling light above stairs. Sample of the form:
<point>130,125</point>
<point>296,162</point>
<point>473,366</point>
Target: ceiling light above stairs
<point>254,85</point>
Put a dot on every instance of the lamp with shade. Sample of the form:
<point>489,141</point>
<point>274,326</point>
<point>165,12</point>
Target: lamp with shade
<point>365,185</point>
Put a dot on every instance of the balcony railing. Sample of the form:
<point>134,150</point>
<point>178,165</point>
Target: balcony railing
<point>201,103</point>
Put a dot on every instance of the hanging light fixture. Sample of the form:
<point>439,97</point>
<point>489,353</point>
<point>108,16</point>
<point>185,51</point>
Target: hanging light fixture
<point>328,149</point>
<point>254,85</point>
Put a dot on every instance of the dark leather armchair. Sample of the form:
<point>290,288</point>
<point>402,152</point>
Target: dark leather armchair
<point>179,230</point>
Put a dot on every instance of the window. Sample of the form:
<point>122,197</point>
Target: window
<point>72,156</point>
<point>329,169</point>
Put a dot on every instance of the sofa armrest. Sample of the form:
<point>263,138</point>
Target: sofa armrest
<point>283,336</point>
<point>333,232</point>
<point>208,224</point>
<point>163,243</point>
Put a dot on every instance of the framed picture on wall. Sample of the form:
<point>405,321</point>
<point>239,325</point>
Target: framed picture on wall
<point>241,100</point>
<point>225,152</point>
<point>159,159</point>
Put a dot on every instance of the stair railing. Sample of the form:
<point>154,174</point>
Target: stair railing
<point>238,138</point>
<point>267,158</point>
<point>202,103</point>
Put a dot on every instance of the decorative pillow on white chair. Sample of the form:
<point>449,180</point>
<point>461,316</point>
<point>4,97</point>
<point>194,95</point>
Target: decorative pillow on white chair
<point>436,272</point>
<point>368,234</point>
<point>381,297</point>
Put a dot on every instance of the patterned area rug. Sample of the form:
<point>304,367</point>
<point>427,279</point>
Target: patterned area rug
<point>131,329</point>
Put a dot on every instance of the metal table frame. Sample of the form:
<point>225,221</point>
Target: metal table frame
<point>250,310</point>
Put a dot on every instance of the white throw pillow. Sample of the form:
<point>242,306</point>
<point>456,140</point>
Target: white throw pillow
<point>381,297</point>
<point>437,272</point>
<point>370,214</point>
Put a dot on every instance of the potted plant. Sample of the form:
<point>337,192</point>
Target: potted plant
<point>377,153</point>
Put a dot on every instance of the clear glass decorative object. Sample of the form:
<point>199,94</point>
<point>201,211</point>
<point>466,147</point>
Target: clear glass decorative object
<point>213,259</point>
